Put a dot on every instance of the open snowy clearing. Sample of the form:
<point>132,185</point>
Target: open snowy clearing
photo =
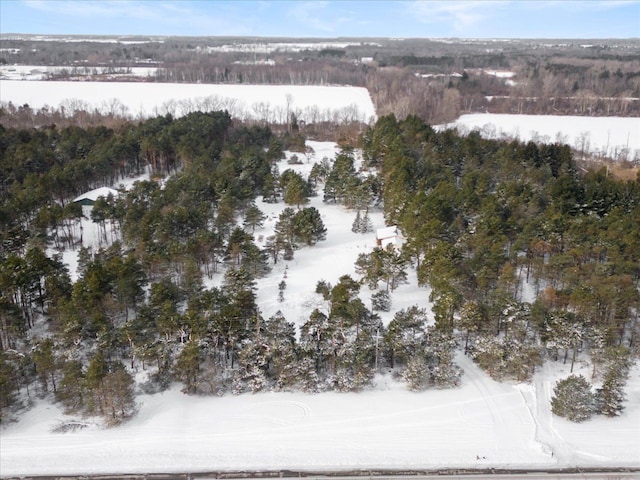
<point>263,102</point>
<point>613,137</point>
<point>481,424</point>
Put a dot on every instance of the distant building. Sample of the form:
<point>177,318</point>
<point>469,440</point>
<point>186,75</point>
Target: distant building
<point>389,236</point>
<point>89,198</point>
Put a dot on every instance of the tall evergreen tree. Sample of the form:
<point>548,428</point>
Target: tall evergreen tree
<point>573,399</point>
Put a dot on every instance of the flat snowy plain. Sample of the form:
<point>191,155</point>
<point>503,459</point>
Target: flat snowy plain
<point>481,424</point>
<point>37,72</point>
<point>141,99</point>
<point>613,137</point>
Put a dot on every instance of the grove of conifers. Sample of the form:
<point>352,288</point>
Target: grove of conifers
<point>482,220</point>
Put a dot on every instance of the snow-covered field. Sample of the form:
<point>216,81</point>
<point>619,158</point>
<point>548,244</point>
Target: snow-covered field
<point>270,47</point>
<point>481,424</point>
<point>39,72</point>
<point>612,137</point>
<point>264,102</point>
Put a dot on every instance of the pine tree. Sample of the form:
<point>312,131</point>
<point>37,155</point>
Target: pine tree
<point>8,384</point>
<point>324,288</point>
<point>362,223</point>
<point>284,227</point>
<point>46,363</point>
<point>296,192</point>
<point>366,225</point>
<point>187,366</point>
<point>404,335</point>
<point>96,371</point>
<point>280,337</point>
<point>610,398</point>
<point>254,217</point>
<point>119,395</point>
<point>416,374</point>
<point>370,266</point>
<point>381,301</point>
<point>488,353</point>
<point>252,364</point>
<point>439,350</point>
<point>472,317</point>
<point>270,191</point>
<point>356,226</point>
<point>573,399</point>
<point>342,178</point>
<point>308,226</point>
<point>394,267</point>
<point>70,391</point>
<point>307,376</point>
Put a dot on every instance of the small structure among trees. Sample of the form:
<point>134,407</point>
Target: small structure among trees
<point>89,198</point>
<point>389,236</point>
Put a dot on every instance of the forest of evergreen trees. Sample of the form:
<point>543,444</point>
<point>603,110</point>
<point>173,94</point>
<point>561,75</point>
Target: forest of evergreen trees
<point>481,218</point>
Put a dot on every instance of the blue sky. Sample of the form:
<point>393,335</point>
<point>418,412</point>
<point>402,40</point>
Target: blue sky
<point>338,18</point>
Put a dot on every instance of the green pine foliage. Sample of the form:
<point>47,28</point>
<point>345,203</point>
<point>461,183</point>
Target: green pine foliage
<point>573,399</point>
<point>480,217</point>
<point>610,398</point>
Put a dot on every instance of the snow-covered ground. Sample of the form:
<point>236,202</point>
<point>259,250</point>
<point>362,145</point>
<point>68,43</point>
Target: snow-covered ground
<point>500,73</point>
<point>39,72</point>
<point>481,424</point>
<point>612,137</point>
<point>311,103</point>
<point>270,47</point>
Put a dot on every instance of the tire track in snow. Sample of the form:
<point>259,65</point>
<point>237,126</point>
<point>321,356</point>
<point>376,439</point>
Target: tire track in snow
<point>505,435</point>
<point>529,398</point>
<point>539,407</point>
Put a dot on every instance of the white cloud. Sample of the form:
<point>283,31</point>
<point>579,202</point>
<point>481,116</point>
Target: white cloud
<point>578,5</point>
<point>458,14</point>
<point>89,8</point>
<point>164,14</point>
<point>590,4</point>
<point>309,14</point>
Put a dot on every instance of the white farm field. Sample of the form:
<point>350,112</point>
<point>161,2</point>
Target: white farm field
<point>612,137</point>
<point>481,424</point>
<point>272,103</point>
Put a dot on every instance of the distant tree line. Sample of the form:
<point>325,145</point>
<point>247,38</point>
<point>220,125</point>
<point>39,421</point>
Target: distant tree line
<point>434,80</point>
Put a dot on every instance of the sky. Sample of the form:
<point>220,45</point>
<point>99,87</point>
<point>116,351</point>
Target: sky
<point>326,19</point>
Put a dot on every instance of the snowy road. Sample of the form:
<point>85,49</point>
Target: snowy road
<point>476,475</point>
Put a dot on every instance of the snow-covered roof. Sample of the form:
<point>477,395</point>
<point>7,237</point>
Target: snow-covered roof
<point>388,236</point>
<point>387,232</point>
<point>94,194</point>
